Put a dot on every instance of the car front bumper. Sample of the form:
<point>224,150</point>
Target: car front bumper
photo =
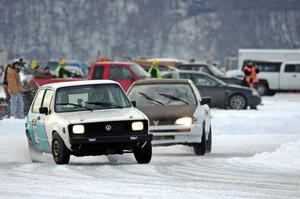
<point>175,134</point>
<point>105,145</point>
<point>111,139</point>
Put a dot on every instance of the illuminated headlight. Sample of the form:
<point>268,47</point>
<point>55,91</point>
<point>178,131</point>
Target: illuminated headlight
<point>137,126</point>
<point>186,121</point>
<point>78,129</point>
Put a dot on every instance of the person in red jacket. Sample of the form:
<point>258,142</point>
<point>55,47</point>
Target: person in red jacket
<point>250,72</point>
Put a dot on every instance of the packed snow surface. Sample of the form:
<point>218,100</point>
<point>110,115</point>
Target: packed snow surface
<point>255,155</point>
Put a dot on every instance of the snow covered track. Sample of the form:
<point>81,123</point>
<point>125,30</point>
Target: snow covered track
<point>243,163</point>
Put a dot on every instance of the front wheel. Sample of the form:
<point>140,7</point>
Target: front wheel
<point>60,152</point>
<point>143,155</point>
<point>237,101</point>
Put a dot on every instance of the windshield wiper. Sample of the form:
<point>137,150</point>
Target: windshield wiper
<point>150,99</point>
<point>105,104</point>
<point>77,105</point>
<point>173,98</point>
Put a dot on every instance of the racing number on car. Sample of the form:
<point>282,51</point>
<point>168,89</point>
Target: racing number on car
<point>35,135</point>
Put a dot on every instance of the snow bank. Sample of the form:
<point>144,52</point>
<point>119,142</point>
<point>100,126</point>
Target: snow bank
<point>13,143</point>
<point>286,156</point>
<point>278,115</point>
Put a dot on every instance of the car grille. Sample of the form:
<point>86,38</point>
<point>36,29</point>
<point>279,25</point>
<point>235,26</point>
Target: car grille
<point>108,129</point>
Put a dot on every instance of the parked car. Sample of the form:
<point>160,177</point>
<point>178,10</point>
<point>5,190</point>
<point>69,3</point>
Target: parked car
<point>177,112</point>
<point>211,70</point>
<point>223,95</point>
<point>53,64</point>
<point>77,64</point>
<point>123,72</point>
<point>78,72</point>
<point>86,118</point>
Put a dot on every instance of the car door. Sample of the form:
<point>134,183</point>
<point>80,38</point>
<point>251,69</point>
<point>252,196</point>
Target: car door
<point>34,118</point>
<point>41,122</point>
<point>209,87</point>
<point>121,74</point>
<point>290,77</point>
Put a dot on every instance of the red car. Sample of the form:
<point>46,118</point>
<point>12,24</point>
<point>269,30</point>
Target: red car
<point>123,72</point>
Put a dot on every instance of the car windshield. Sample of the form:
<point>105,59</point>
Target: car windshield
<point>90,97</point>
<point>162,95</point>
<point>216,72</point>
<point>139,71</point>
<point>195,67</point>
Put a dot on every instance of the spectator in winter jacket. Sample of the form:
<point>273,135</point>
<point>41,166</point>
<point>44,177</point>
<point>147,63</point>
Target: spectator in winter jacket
<point>61,72</point>
<point>15,89</point>
<point>154,70</point>
<point>250,72</point>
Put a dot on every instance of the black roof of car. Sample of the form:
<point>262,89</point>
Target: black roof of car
<point>162,81</point>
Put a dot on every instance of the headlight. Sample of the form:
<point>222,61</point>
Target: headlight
<point>137,126</point>
<point>186,121</point>
<point>78,129</point>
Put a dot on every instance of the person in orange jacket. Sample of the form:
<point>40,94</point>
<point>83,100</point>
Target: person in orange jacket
<point>250,72</point>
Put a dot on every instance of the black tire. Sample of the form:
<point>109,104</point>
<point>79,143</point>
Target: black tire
<point>35,155</point>
<point>143,155</point>
<point>60,152</point>
<point>209,142</point>
<point>253,107</point>
<point>200,148</point>
<point>237,101</point>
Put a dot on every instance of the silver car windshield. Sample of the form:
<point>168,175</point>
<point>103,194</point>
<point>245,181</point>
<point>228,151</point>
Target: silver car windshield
<point>90,97</point>
<point>162,95</point>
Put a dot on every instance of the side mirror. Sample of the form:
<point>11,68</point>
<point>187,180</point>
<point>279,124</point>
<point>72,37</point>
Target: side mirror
<point>205,100</point>
<point>43,110</point>
<point>133,103</point>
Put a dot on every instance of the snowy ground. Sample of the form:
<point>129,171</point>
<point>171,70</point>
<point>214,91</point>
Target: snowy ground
<point>255,155</point>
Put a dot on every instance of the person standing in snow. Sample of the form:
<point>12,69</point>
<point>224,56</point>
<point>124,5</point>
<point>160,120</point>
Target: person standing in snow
<point>250,72</point>
<point>15,89</point>
<point>61,72</point>
<point>154,70</point>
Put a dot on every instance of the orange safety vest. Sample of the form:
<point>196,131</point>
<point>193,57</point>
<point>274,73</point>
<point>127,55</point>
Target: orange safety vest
<point>252,78</point>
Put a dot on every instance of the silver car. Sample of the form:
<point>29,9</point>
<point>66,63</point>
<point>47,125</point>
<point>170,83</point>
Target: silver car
<point>176,111</point>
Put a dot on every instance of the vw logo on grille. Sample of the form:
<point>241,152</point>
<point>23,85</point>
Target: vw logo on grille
<point>108,127</point>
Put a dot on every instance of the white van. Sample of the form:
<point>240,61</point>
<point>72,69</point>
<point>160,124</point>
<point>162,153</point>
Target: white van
<point>279,69</point>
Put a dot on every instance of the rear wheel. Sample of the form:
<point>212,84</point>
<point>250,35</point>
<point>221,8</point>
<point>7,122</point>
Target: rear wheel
<point>200,148</point>
<point>143,154</point>
<point>237,101</point>
<point>60,152</point>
